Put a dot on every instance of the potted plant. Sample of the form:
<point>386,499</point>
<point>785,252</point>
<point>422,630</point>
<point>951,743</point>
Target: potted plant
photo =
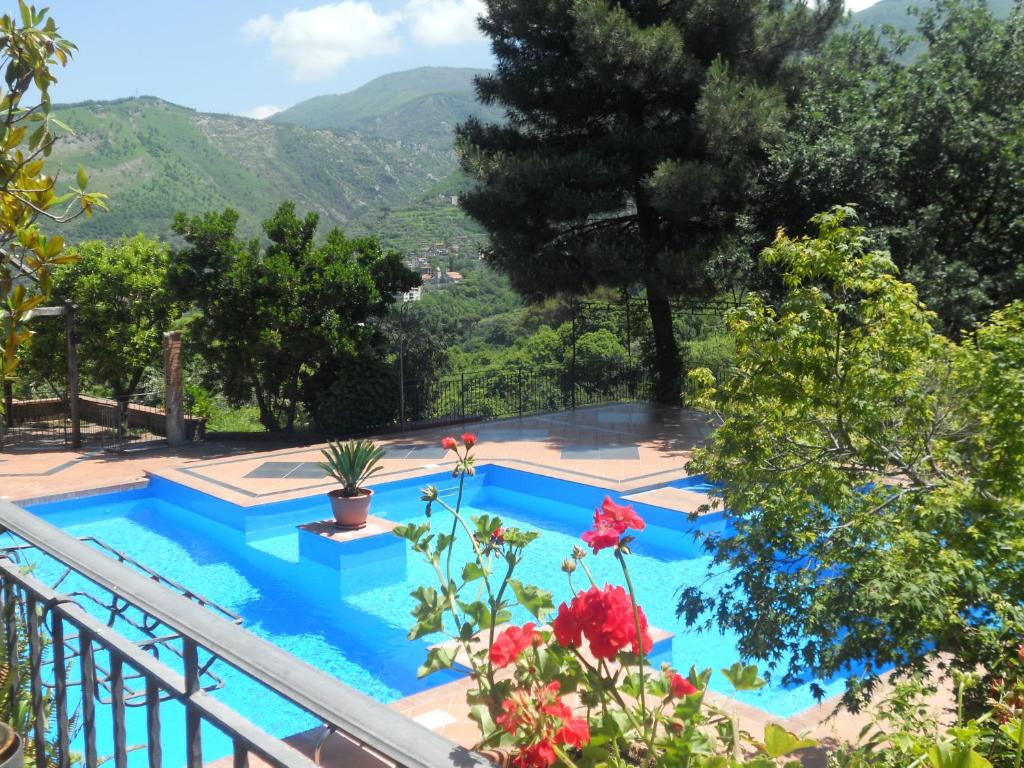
<point>351,464</point>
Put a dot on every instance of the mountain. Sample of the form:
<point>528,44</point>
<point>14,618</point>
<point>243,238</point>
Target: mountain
<point>895,13</point>
<point>391,168</point>
<point>420,105</point>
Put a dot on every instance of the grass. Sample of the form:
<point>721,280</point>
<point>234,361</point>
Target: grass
<point>224,418</point>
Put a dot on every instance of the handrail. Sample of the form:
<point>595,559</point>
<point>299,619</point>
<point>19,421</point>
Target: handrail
<point>215,712</point>
<point>367,721</point>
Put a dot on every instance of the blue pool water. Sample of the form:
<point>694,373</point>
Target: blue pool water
<point>350,617</point>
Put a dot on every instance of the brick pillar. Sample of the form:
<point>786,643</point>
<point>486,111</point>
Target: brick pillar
<point>173,389</point>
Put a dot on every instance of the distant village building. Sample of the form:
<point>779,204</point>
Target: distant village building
<point>413,294</point>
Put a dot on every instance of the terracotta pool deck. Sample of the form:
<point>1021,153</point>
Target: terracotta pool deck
<point>623,447</point>
<point>630,448</point>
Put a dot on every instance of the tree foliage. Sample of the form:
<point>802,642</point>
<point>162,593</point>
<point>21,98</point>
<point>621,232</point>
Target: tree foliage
<point>31,49</point>
<point>930,151</point>
<point>634,132</point>
<point>872,471</point>
<point>271,316</point>
<point>123,306</point>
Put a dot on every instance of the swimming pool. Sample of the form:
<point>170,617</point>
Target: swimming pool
<point>351,621</point>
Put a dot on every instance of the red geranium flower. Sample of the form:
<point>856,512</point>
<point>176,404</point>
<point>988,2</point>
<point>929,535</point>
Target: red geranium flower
<point>515,715</point>
<point>448,443</point>
<point>610,522</point>
<point>539,755</point>
<point>498,537</point>
<point>567,629</point>
<point>512,642</point>
<point>469,439</point>
<point>546,720</point>
<point>680,686</point>
<point>605,618</point>
<point>575,732</point>
<point>618,516</point>
<point>601,536</point>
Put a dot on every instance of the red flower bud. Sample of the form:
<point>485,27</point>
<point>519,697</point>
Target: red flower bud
<point>448,443</point>
<point>469,439</point>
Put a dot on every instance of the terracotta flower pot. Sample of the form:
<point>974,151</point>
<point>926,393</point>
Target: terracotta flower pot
<point>350,511</point>
<point>10,748</point>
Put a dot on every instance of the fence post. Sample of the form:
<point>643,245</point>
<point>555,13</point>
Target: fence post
<point>519,386</point>
<point>572,382</point>
<point>462,395</point>
<point>401,388</point>
<point>9,402</point>
<point>629,338</point>
<point>71,331</point>
<point>173,385</point>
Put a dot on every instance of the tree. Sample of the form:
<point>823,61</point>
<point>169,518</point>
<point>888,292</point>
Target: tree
<point>30,49</point>
<point>634,131</point>
<point>599,355</point>
<point>271,316</point>
<point>124,304</point>
<point>930,152</point>
<point>872,471</point>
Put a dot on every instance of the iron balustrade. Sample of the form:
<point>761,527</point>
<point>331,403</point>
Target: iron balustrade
<point>517,392</point>
<point>74,637</point>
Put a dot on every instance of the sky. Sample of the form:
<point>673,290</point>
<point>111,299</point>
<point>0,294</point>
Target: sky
<point>254,57</point>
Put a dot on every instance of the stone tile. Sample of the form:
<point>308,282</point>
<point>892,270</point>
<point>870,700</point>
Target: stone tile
<point>273,470</point>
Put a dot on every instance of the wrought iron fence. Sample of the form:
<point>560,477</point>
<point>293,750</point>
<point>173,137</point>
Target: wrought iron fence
<point>80,669</point>
<point>115,424</point>
<point>508,392</point>
<point>41,424</point>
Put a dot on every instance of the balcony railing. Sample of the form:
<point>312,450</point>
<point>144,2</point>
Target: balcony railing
<point>61,646</point>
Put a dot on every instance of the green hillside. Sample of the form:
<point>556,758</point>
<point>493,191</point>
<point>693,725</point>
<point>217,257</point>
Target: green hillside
<point>895,13</point>
<point>392,175</point>
<point>421,105</point>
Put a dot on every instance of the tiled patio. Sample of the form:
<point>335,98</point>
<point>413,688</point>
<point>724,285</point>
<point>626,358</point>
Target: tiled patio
<point>618,446</point>
<point>634,449</point>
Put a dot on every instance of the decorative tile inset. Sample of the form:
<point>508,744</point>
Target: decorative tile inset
<point>416,452</point>
<point>308,470</point>
<point>279,470</point>
<point>599,452</point>
<point>275,470</point>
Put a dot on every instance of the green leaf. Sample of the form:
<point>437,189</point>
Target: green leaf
<point>537,601</point>
<point>779,742</point>
<point>471,572</point>
<point>948,755</point>
<point>744,678</point>
<point>429,612</point>
<point>1012,729</point>
<point>438,658</point>
<point>82,178</point>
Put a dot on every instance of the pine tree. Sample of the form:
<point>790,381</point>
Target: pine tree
<point>634,132</point>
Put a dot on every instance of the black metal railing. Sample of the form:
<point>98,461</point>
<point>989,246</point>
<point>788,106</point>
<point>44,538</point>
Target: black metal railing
<point>522,391</point>
<point>40,424</point>
<point>78,664</point>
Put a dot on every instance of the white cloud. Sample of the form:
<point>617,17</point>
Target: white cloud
<point>859,5</point>
<point>444,22</point>
<point>262,112</point>
<point>314,44</point>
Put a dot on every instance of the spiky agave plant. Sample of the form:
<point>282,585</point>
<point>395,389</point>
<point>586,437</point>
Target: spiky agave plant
<point>352,463</point>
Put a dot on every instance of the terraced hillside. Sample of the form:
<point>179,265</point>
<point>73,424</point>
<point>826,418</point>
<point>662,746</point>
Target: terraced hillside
<point>393,174</point>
